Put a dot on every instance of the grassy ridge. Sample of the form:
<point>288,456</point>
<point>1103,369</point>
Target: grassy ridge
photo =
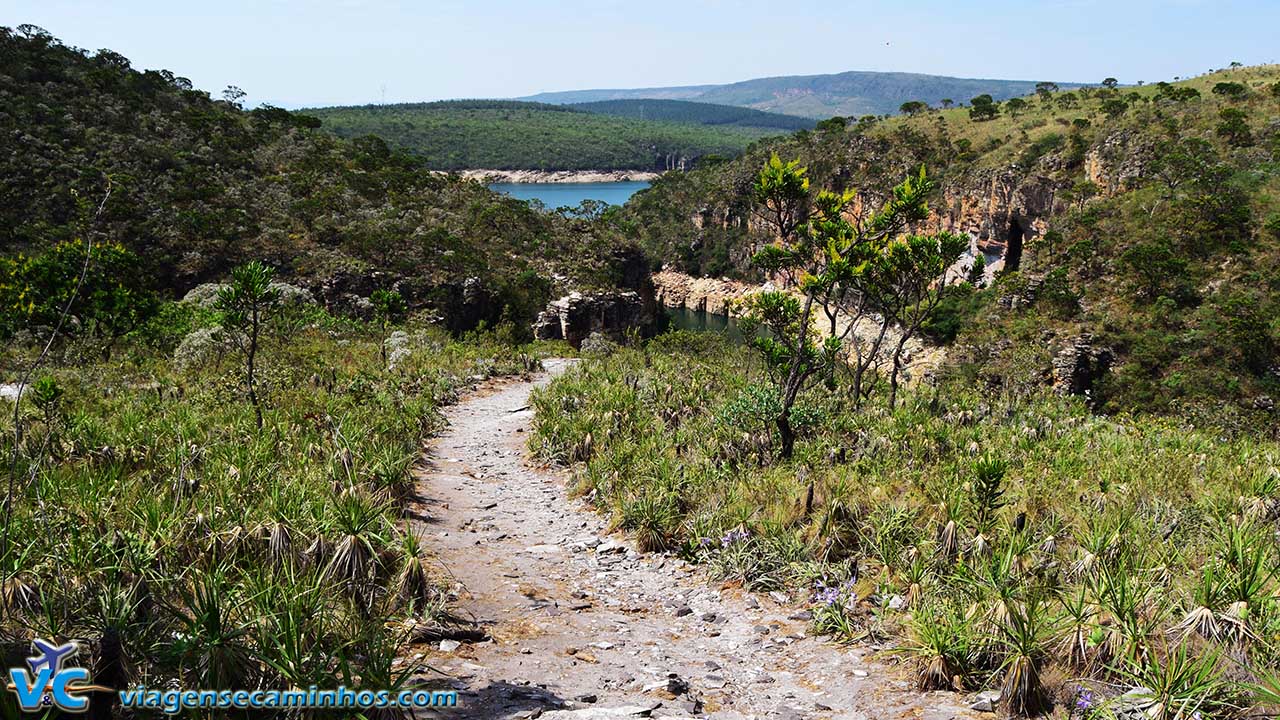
<point>696,113</point>
<point>970,530</point>
<point>199,185</point>
<point>507,135</point>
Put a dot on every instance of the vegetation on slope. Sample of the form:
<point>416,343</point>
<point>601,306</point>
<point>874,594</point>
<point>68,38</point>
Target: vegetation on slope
<point>185,542</point>
<point>996,541</point>
<point>1172,267</point>
<point>199,185</point>
<point>696,113</point>
<point>510,135</point>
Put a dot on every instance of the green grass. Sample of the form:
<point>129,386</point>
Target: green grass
<point>507,135</point>
<point>1091,533</point>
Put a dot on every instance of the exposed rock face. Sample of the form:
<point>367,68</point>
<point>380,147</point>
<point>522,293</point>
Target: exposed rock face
<point>675,289</point>
<point>557,176</point>
<point>575,316</point>
<point>1118,161</point>
<point>1079,365</point>
<point>999,211</point>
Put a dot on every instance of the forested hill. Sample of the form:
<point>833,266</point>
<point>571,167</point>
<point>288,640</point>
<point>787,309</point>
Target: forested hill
<point>853,93</point>
<point>695,112</point>
<point>1141,230</point>
<point>509,135</point>
<point>198,185</point>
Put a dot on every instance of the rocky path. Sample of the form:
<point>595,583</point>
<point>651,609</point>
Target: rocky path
<point>582,626</point>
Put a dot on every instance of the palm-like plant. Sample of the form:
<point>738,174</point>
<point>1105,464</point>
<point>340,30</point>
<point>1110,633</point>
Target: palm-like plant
<point>943,641</point>
<point>1182,685</point>
<point>359,519</point>
<point>1025,635</point>
<point>1208,596</point>
<point>212,648</point>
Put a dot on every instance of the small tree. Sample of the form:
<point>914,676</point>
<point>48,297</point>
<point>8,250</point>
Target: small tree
<point>846,269</point>
<point>388,307</point>
<point>913,107</point>
<point>948,102</point>
<point>1016,106</point>
<point>1046,90</point>
<point>1231,90</point>
<point>1114,107</point>
<point>983,107</point>
<point>1234,127</point>
<point>246,303</point>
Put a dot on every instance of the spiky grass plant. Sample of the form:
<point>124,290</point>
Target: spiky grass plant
<point>213,641</point>
<point>986,499</point>
<point>1183,684</point>
<point>654,519</point>
<point>413,585</point>
<point>1024,636</point>
<point>943,642</point>
<point>1208,597</point>
<point>359,519</point>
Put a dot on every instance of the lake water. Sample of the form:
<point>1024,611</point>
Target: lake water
<point>555,195</point>
<point>702,321</point>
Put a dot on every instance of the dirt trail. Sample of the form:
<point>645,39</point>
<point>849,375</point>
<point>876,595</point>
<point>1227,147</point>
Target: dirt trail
<point>585,627</point>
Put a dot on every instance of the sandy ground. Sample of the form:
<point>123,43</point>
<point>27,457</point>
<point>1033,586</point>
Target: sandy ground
<point>583,626</point>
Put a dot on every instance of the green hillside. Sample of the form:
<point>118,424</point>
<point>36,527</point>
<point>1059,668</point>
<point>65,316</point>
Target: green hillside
<point>818,96</point>
<point>509,135</point>
<point>696,113</point>
<point>198,185</point>
<point>1160,240</point>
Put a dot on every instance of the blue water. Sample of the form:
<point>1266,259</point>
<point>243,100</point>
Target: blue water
<point>555,195</point>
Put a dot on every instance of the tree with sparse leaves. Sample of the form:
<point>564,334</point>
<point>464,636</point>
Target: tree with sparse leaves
<point>246,304</point>
<point>847,270</point>
<point>388,307</point>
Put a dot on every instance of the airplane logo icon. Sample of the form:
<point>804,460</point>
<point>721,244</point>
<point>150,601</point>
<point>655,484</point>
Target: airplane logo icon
<point>49,656</point>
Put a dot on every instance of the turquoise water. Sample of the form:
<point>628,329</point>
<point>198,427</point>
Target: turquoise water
<point>555,195</point>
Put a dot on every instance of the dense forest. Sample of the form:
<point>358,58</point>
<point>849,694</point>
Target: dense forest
<point>510,135</point>
<point>696,113</point>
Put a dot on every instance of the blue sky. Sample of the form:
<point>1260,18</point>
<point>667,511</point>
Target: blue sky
<point>298,52</point>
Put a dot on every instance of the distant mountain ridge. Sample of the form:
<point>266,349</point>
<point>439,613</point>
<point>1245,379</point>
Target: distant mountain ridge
<point>817,96</point>
<point>684,111</point>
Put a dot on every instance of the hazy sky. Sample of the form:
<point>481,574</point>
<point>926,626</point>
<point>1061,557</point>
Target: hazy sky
<point>296,52</point>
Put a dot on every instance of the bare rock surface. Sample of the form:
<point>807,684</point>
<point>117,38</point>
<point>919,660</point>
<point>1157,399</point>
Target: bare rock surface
<point>583,626</point>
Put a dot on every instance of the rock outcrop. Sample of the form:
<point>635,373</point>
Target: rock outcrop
<point>1079,366</point>
<point>576,316</point>
<point>558,176</point>
<point>675,289</point>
